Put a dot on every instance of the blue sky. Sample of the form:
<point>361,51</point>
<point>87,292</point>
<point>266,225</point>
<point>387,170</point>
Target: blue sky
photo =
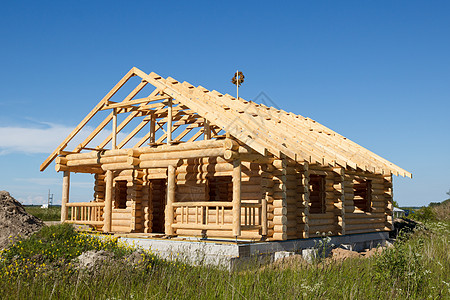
<point>377,72</point>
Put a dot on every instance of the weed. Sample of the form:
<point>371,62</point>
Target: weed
<point>323,245</point>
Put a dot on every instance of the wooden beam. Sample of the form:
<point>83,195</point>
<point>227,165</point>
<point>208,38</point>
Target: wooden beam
<point>114,130</point>
<point>186,94</point>
<point>132,134</point>
<point>134,102</point>
<point>107,210</point>
<point>169,122</point>
<point>129,117</point>
<point>264,224</point>
<point>207,133</point>
<point>146,137</point>
<point>65,196</point>
<point>152,138</point>
<point>183,134</point>
<point>236,198</point>
<point>86,119</point>
<point>169,213</point>
<point>196,136</point>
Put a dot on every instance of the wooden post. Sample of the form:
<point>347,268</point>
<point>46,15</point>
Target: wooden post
<point>237,197</point>
<point>114,129</point>
<point>169,122</point>
<point>207,132</point>
<point>65,196</point>
<point>107,211</point>
<point>264,214</point>
<point>169,214</point>
<point>152,129</point>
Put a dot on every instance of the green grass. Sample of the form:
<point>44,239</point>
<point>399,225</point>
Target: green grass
<point>53,213</point>
<point>418,267</point>
<point>43,266</point>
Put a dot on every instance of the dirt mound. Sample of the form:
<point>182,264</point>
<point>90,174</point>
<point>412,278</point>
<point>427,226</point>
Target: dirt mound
<point>14,220</point>
<point>341,254</point>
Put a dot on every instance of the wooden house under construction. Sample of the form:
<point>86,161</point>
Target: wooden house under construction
<point>180,160</point>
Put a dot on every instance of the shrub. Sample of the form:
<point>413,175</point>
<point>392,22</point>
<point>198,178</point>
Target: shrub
<point>401,265</point>
<point>425,214</point>
<point>54,247</point>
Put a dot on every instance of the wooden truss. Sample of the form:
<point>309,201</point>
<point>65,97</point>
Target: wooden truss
<point>195,112</point>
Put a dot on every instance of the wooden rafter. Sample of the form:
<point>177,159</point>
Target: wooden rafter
<point>86,119</point>
<point>125,122</point>
<point>130,103</point>
<point>265,129</point>
<point>105,122</point>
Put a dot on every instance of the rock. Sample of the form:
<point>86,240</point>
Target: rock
<point>135,258</point>
<point>310,255</point>
<point>90,260</point>
<point>281,254</point>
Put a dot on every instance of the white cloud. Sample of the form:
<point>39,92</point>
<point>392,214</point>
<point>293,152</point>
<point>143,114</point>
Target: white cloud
<point>45,140</point>
<point>32,140</point>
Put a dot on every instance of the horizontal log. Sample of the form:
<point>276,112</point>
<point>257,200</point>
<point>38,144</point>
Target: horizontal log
<point>93,223</point>
<point>280,211</point>
<point>321,228</point>
<point>220,234</point>
<point>96,161</point>
<point>120,222</point>
<point>279,236</point>
<point>327,215</point>
<point>117,228</point>
<point>280,220</point>
<point>85,204</point>
<point>123,178</point>
<point>121,216</point>
<point>364,215</point>
<point>364,221</point>
<point>90,170</point>
<point>204,203</point>
<point>97,154</point>
<point>212,152</point>
<point>351,227</point>
<point>366,230</point>
<point>320,222</point>
<point>202,227</point>
<point>279,228</point>
<point>159,163</point>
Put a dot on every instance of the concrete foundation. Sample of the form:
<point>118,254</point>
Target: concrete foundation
<point>232,254</point>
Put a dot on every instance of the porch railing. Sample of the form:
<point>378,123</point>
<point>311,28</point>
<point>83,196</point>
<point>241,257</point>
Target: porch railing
<point>251,219</point>
<point>211,215</point>
<point>89,213</point>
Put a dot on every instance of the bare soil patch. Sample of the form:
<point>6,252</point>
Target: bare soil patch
<point>15,222</point>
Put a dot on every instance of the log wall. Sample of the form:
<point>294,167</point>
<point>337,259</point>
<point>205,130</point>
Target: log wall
<point>194,180</point>
<point>283,184</point>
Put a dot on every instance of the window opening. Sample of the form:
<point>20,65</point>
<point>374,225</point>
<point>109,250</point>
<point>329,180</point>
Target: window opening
<point>120,198</point>
<point>219,188</point>
<point>362,194</point>
<point>317,194</point>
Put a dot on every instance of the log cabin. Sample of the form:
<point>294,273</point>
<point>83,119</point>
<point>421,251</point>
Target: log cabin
<point>200,163</point>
